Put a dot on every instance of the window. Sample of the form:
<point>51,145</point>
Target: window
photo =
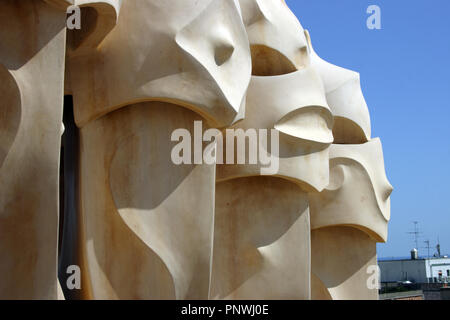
<point>448,273</point>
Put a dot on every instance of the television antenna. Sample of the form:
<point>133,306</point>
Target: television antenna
<point>427,242</point>
<point>416,233</point>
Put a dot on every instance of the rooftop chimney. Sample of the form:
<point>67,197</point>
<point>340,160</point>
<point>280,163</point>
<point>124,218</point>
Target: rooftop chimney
<point>414,254</point>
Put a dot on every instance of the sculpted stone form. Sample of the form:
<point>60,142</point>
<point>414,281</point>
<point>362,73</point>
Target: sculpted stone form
<point>347,219</point>
<point>140,226</point>
<point>344,95</point>
<point>32,37</point>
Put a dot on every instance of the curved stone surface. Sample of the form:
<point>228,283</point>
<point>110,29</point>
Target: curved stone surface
<point>256,248</point>
<point>98,17</point>
<point>276,37</point>
<point>347,219</point>
<point>32,55</point>
<point>359,192</point>
<point>11,109</point>
<point>252,252</point>
<point>345,98</point>
<point>154,54</point>
<point>340,263</point>
<point>295,105</point>
<point>148,209</point>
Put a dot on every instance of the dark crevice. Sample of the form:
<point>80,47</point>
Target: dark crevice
<point>68,227</point>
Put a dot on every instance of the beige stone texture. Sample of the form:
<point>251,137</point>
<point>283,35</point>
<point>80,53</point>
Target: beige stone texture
<point>147,223</point>
<point>258,252</point>
<point>340,261</point>
<point>32,51</point>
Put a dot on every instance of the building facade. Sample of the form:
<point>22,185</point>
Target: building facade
<point>426,270</point>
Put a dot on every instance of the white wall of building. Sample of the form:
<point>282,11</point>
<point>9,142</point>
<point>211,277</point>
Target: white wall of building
<point>438,270</point>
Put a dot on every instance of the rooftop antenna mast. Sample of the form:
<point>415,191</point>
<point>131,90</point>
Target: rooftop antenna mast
<point>427,242</point>
<point>416,233</point>
<point>438,247</point>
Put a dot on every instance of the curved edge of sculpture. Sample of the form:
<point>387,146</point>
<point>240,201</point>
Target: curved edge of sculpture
<point>209,77</point>
<point>348,218</point>
<point>341,259</point>
<point>358,193</point>
<point>255,247</point>
<point>291,95</point>
<point>285,98</point>
<point>147,206</point>
<point>223,36</point>
<point>272,24</point>
<point>98,18</point>
<point>346,100</point>
<point>11,108</point>
<point>294,105</point>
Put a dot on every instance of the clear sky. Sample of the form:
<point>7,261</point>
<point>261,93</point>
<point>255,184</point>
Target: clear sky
<point>405,76</point>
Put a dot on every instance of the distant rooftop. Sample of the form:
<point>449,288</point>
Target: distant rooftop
<point>409,258</point>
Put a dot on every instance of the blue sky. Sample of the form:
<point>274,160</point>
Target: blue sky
<point>405,76</point>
